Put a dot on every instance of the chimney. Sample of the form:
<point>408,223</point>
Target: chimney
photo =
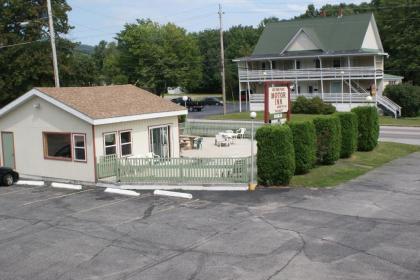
<point>340,12</point>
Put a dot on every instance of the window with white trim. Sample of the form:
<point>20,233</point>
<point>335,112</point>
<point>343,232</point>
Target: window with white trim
<point>110,143</point>
<point>125,143</point>
<point>79,147</point>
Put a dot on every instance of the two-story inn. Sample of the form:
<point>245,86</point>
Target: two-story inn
<point>339,59</point>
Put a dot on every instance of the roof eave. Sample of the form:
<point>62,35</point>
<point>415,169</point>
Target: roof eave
<point>139,117</point>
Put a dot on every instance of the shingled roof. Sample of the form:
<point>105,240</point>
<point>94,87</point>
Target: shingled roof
<point>102,102</point>
<point>332,35</point>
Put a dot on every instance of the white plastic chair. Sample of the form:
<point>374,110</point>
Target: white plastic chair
<point>220,141</point>
<point>241,132</point>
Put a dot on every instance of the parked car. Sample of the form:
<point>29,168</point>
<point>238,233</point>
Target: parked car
<point>190,104</point>
<point>8,176</point>
<point>212,101</point>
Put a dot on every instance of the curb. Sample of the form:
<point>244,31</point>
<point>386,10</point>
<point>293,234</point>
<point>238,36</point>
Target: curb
<point>173,194</point>
<point>66,186</point>
<point>122,192</point>
<point>30,183</point>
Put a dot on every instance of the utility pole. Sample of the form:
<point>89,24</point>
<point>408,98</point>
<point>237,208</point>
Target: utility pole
<point>222,60</point>
<point>52,39</point>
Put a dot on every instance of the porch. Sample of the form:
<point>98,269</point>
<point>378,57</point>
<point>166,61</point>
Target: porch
<point>307,74</point>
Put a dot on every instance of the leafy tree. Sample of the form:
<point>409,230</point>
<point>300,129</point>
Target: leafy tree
<point>25,66</point>
<point>209,46</point>
<point>157,56</point>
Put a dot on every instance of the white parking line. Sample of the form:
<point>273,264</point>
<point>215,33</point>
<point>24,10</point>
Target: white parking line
<point>30,183</point>
<point>66,186</point>
<point>55,197</point>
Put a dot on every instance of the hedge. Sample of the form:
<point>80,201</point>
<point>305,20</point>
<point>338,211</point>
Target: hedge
<point>407,96</point>
<point>368,127</point>
<point>275,155</point>
<point>304,141</point>
<point>328,137</point>
<point>349,132</point>
<point>315,105</point>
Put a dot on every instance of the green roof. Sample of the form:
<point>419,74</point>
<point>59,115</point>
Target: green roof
<point>330,34</point>
<point>392,77</point>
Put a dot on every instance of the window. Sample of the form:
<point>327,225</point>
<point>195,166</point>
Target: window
<point>263,65</point>
<point>336,63</point>
<point>57,145</point>
<point>79,147</point>
<point>273,64</point>
<point>110,143</point>
<point>310,89</point>
<point>298,64</point>
<point>125,143</point>
<point>317,63</point>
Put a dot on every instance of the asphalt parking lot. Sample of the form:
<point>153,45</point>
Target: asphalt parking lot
<point>366,229</point>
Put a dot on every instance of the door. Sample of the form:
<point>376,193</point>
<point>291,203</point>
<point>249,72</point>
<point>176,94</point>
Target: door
<point>8,148</point>
<point>159,141</point>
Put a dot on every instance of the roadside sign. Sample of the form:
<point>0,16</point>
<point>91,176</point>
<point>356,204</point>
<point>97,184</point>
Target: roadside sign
<point>278,100</point>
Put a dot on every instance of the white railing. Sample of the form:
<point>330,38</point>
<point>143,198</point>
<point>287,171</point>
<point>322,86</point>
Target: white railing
<point>309,74</point>
<point>327,97</point>
<point>390,105</point>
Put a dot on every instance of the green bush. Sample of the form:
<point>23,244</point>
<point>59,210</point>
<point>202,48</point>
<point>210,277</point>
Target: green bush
<point>300,105</point>
<point>304,141</point>
<point>368,127</point>
<point>407,96</point>
<point>275,155</point>
<point>315,105</point>
<point>349,132</point>
<point>328,139</point>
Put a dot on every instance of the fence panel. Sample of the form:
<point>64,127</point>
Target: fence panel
<point>209,128</point>
<point>183,170</point>
<point>106,166</point>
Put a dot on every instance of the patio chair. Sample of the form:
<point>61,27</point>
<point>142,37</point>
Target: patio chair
<point>241,132</point>
<point>220,141</point>
<point>198,143</point>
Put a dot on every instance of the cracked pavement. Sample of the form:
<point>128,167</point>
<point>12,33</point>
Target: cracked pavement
<point>368,228</point>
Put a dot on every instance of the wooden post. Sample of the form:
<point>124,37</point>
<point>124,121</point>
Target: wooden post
<point>322,79</point>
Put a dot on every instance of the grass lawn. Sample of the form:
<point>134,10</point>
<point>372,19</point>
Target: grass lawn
<point>358,164</point>
<point>304,117</point>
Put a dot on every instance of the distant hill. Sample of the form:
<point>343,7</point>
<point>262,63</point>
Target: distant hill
<point>87,49</point>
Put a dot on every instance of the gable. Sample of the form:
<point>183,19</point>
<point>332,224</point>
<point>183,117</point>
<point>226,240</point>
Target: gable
<point>370,41</point>
<point>301,42</point>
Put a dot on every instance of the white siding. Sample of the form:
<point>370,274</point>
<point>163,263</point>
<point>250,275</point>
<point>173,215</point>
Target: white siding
<point>302,43</point>
<point>28,123</point>
<point>370,40</point>
<point>140,134</point>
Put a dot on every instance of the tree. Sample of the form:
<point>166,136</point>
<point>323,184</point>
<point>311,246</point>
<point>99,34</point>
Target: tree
<point>25,66</point>
<point>157,56</point>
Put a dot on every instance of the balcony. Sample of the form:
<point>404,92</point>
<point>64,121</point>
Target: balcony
<point>308,74</point>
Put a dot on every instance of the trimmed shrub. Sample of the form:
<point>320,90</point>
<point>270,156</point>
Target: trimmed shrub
<point>349,132</point>
<point>368,127</point>
<point>407,96</point>
<point>304,141</point>
<point>315,105</point>
<point>300,106</point>
<point>328,139</point>
<point>275,155</point>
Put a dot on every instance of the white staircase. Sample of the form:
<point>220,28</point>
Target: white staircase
<point>389,105</point>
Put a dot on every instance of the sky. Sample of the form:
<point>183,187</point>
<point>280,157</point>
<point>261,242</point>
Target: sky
<point>96,20</point>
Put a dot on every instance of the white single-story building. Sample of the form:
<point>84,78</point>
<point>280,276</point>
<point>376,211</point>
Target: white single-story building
<point>392,79</point>
<point>61,132</point>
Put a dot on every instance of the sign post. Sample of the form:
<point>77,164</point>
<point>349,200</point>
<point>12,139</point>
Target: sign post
<point>276,101</point>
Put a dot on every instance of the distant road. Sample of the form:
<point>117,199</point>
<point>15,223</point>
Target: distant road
<point>216,110</point>
<point>407,135</point>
